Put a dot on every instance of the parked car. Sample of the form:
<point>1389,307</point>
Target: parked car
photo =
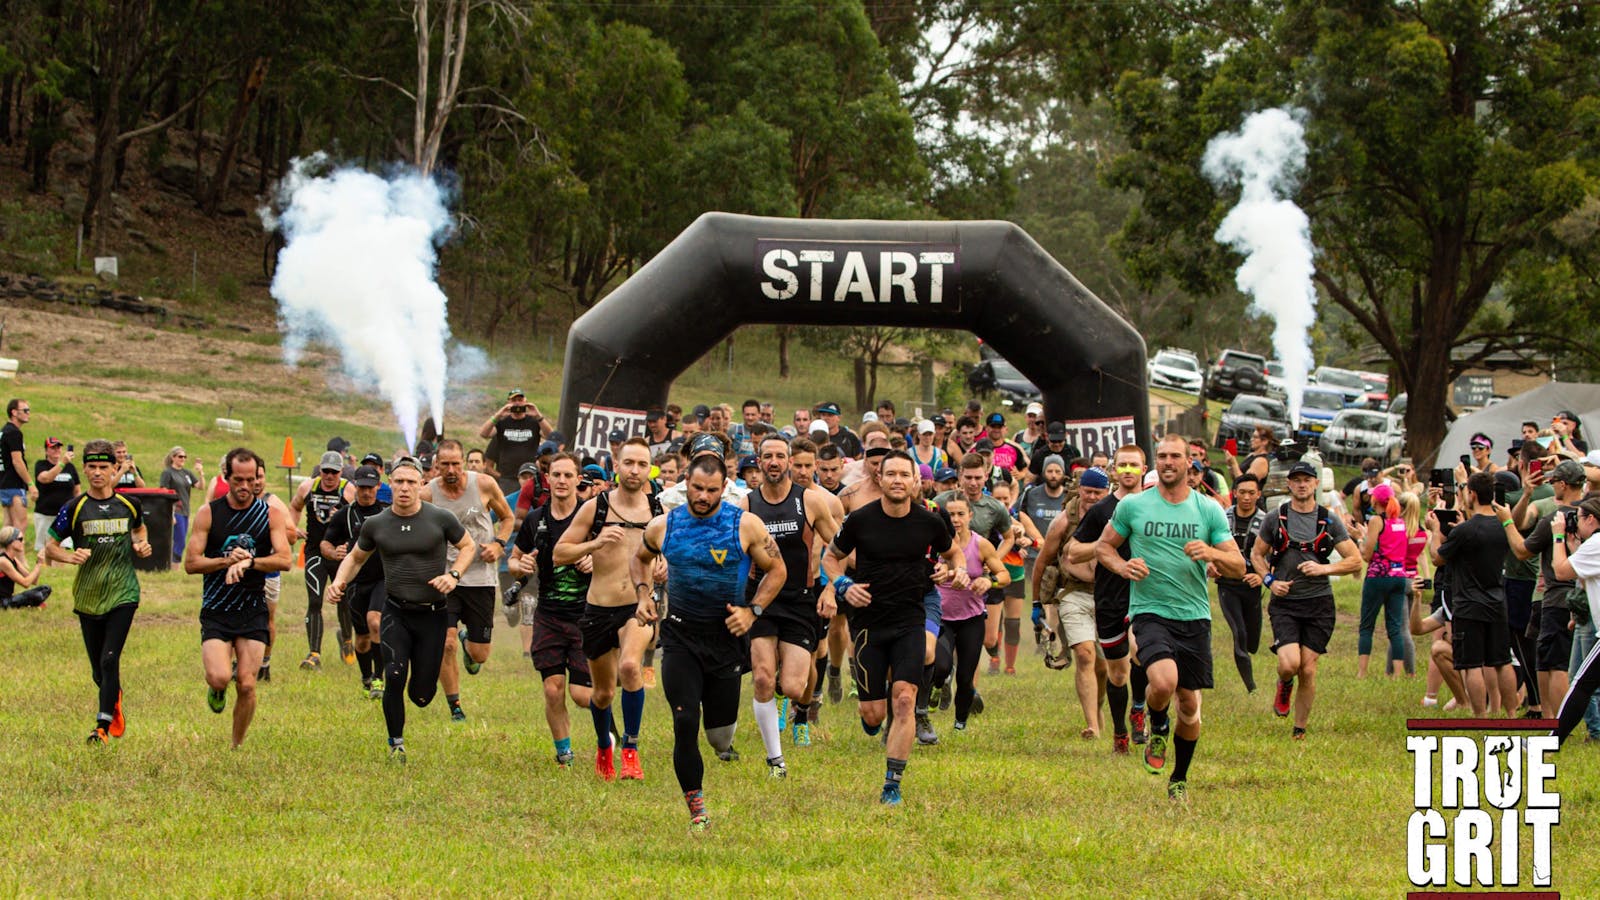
<point>1173,368</point>
<point>1358,433</point>
<point>1318,406</point>
<point>998,376</point>
<point>1397,406</point>
<point>1275,384</point>
<point>1377,389</point>
<point>1344,381</point>
<point>1236,372</point>
<point>1247,411</point>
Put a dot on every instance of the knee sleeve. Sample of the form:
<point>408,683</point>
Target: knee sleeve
<point>1013,631</point>
<point>720,738</point>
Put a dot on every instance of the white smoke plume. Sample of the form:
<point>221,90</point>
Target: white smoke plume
<point>1265,158</point>
<point>357,273</point>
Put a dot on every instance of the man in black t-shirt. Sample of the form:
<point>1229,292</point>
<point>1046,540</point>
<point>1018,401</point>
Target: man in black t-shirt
<point>1111,595</point>
<point>892,540</point>
<point>362,603</point>
<point>514,433</point>
<point>16,485</point>
<point>1476,608</point>
<point>57,481</point>
<point>412,537</point>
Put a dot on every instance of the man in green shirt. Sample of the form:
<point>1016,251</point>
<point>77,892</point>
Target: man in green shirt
<point>106,531</point>
<point>1177,540</point>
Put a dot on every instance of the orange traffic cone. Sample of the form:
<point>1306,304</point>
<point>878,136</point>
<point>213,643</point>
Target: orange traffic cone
<point>288,453</point>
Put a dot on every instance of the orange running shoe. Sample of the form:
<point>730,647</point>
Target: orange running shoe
<point>649,676</point>
<point>118,724</point>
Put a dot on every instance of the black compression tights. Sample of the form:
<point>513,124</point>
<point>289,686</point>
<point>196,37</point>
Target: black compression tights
<point>959,649</point>
<point>103,639</point>
<point>413,644</point>
<point>314,603</point>
<point>689,692</point>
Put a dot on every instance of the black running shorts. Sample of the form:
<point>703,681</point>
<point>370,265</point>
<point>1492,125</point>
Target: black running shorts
<point>1188,643</point>
<point>600,626</point>
<point>884,655</point>
<point>557,648</point>
<point>473,607</point>
<point>230,626</point>
<point>1476,644</point>
<point>1307,622</point>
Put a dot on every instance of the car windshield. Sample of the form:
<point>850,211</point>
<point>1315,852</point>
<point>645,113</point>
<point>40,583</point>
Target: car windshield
<point>1341,379</point>
<point>1261,409</point>
<point>1363,421</point>
<point>1233,360</point>
<point>1315,399</point>
<point>1174,361</point>
<point>1004,371</point>
<point>1275,369</point>
<point>1372,383</point>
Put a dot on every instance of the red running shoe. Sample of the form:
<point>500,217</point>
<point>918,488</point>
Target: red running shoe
<point>118,725</point>
<point>1119,744</point>
<point>1280,699</point>
<point>604,765</point>
<point>1141,725</point>
<point>631,770</point>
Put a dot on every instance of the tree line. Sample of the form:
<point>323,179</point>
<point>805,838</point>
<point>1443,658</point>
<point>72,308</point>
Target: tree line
<point>1450,181</point>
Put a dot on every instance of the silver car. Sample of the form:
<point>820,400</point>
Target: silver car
<point>1175,369</point>
<point>1358,433</point>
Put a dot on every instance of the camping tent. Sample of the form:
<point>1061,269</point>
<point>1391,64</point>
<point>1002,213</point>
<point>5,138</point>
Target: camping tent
<point>1502,422</point>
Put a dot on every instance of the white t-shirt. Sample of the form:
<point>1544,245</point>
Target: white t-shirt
<point>1586,563</point>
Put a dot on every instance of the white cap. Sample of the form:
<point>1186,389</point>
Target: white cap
<point>1150,478</point>
<point>1035,409</point>
<point>1592,459</point>
<point>925,426</point>
<point>869,416</point>
<point>819,425</point>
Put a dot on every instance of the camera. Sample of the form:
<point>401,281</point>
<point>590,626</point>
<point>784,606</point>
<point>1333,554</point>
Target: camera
<point>1425,584</point>
<point>70,448</point>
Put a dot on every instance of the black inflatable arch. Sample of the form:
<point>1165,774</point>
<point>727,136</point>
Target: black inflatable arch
<point>989,278</point>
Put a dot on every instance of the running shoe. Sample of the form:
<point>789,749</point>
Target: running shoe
<point>397,754</point>
<point>1053,660</point>
<point>935,697</point>
<point>604,765</point>
<point>312,662</point>
<point>946,695</point>
<point>457,714</point>
<point>1178,791</point>
<point>347,652</point>
<point>467,662</point>
<point>783,713</point>
<point>853,694</point>
<point>1155,754</point>
<point>960,727</point>
<point>649,676</point>
<point>216,700</point>
<point>375,690</point>
<point>98,738</point>
<point>699,824</point>
<point>777,770</point>
<point>631,770</point>
<point>265,672</point>
<point>802,734</point>
<point>925,733</point>
<point>728,755</point>
<point>1429,701</point>
<point>564,760</point>
<point>835,688</point>
<point>994,665</point>
<point>1280,698</point>
<point>1011,670</point>
<point>118,725</point>
<point>890,795</point>
<point>1140,720</point>
<point>1120,744</point>
<point>1299,733</point>
<point>977,703</point>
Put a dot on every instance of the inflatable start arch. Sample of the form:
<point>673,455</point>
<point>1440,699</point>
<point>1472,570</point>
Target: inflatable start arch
<point>723,271</point>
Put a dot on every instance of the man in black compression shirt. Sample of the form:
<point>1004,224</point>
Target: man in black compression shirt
<point>411,537</point>
<point>891,539</point>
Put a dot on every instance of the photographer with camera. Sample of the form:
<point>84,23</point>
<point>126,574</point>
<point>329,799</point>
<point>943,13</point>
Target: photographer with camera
<point>1554,648</point>
<point>1580,565</point>
<point>514,433</point>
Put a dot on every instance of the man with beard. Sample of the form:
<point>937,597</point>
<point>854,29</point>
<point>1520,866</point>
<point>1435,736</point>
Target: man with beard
<point>1072,618</point>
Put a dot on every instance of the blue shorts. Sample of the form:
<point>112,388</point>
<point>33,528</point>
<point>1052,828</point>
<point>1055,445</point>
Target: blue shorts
<point>9,496</point>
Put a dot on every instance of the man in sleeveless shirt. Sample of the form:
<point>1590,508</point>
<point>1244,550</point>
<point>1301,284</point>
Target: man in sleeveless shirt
<point>233,541</point>
<point>470,497</point>
<point>607,529</point>
<point>786,631</point>
<point>709,547</point>
<point>319,497</point>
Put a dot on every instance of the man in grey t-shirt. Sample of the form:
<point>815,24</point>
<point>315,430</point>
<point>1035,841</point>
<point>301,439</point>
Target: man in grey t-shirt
<point>1294,549</point>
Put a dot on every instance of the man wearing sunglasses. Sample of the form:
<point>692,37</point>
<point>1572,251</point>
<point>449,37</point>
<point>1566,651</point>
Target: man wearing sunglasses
<point>514,433</point>
<point>17,489</point>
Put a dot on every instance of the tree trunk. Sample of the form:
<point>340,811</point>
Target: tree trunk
<point>783,351</point>
<point>41,141</point>
<point>1427,395</point>
<point>8,88</point>
<point>248,90</point>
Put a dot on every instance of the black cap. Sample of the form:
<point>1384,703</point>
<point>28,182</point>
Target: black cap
<point>372,459</point>
<point>983,444</point>
<point>701,412</point>
<point>338,444</point>
<point>1056,431</point>
<point>366,476</point>
<point>1304,468</point>
<point>655,415</point>
<point>939,421</point>
<point>748,462</point>
<point>528,468</point>
<point>547,448</point>
<point>618,435</point>
<point>828,409</point>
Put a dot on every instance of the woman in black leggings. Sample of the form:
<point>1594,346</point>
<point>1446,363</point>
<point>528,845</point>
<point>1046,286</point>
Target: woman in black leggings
<point>961,636</point>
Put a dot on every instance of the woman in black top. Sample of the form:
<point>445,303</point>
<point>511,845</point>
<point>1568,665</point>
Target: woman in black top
<point>14,573</point>
<point>1259,461</point>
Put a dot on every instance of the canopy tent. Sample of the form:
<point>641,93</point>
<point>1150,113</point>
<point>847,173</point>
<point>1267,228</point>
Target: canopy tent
<point>1502,422</point>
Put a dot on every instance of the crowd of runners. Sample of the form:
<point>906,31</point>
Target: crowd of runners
<point>717,545</point>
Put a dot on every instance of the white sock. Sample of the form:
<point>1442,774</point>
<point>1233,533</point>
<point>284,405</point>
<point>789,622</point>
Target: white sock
<point>767,723</point>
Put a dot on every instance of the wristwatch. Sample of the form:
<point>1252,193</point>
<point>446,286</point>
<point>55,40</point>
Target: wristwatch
<point>756,609</point>
<point>454,574</point>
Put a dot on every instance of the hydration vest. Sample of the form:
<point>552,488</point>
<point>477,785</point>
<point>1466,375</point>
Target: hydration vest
<point>602,511</point>
<point>1320,546</point>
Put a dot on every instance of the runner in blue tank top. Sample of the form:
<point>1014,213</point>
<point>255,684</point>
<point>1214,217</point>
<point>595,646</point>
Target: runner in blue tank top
<point>709,547</point>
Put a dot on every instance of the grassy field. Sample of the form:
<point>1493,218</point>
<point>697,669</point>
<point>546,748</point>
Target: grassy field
<point>1018,805</point>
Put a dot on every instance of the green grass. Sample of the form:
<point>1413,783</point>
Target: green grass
<point>1017,806</point>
